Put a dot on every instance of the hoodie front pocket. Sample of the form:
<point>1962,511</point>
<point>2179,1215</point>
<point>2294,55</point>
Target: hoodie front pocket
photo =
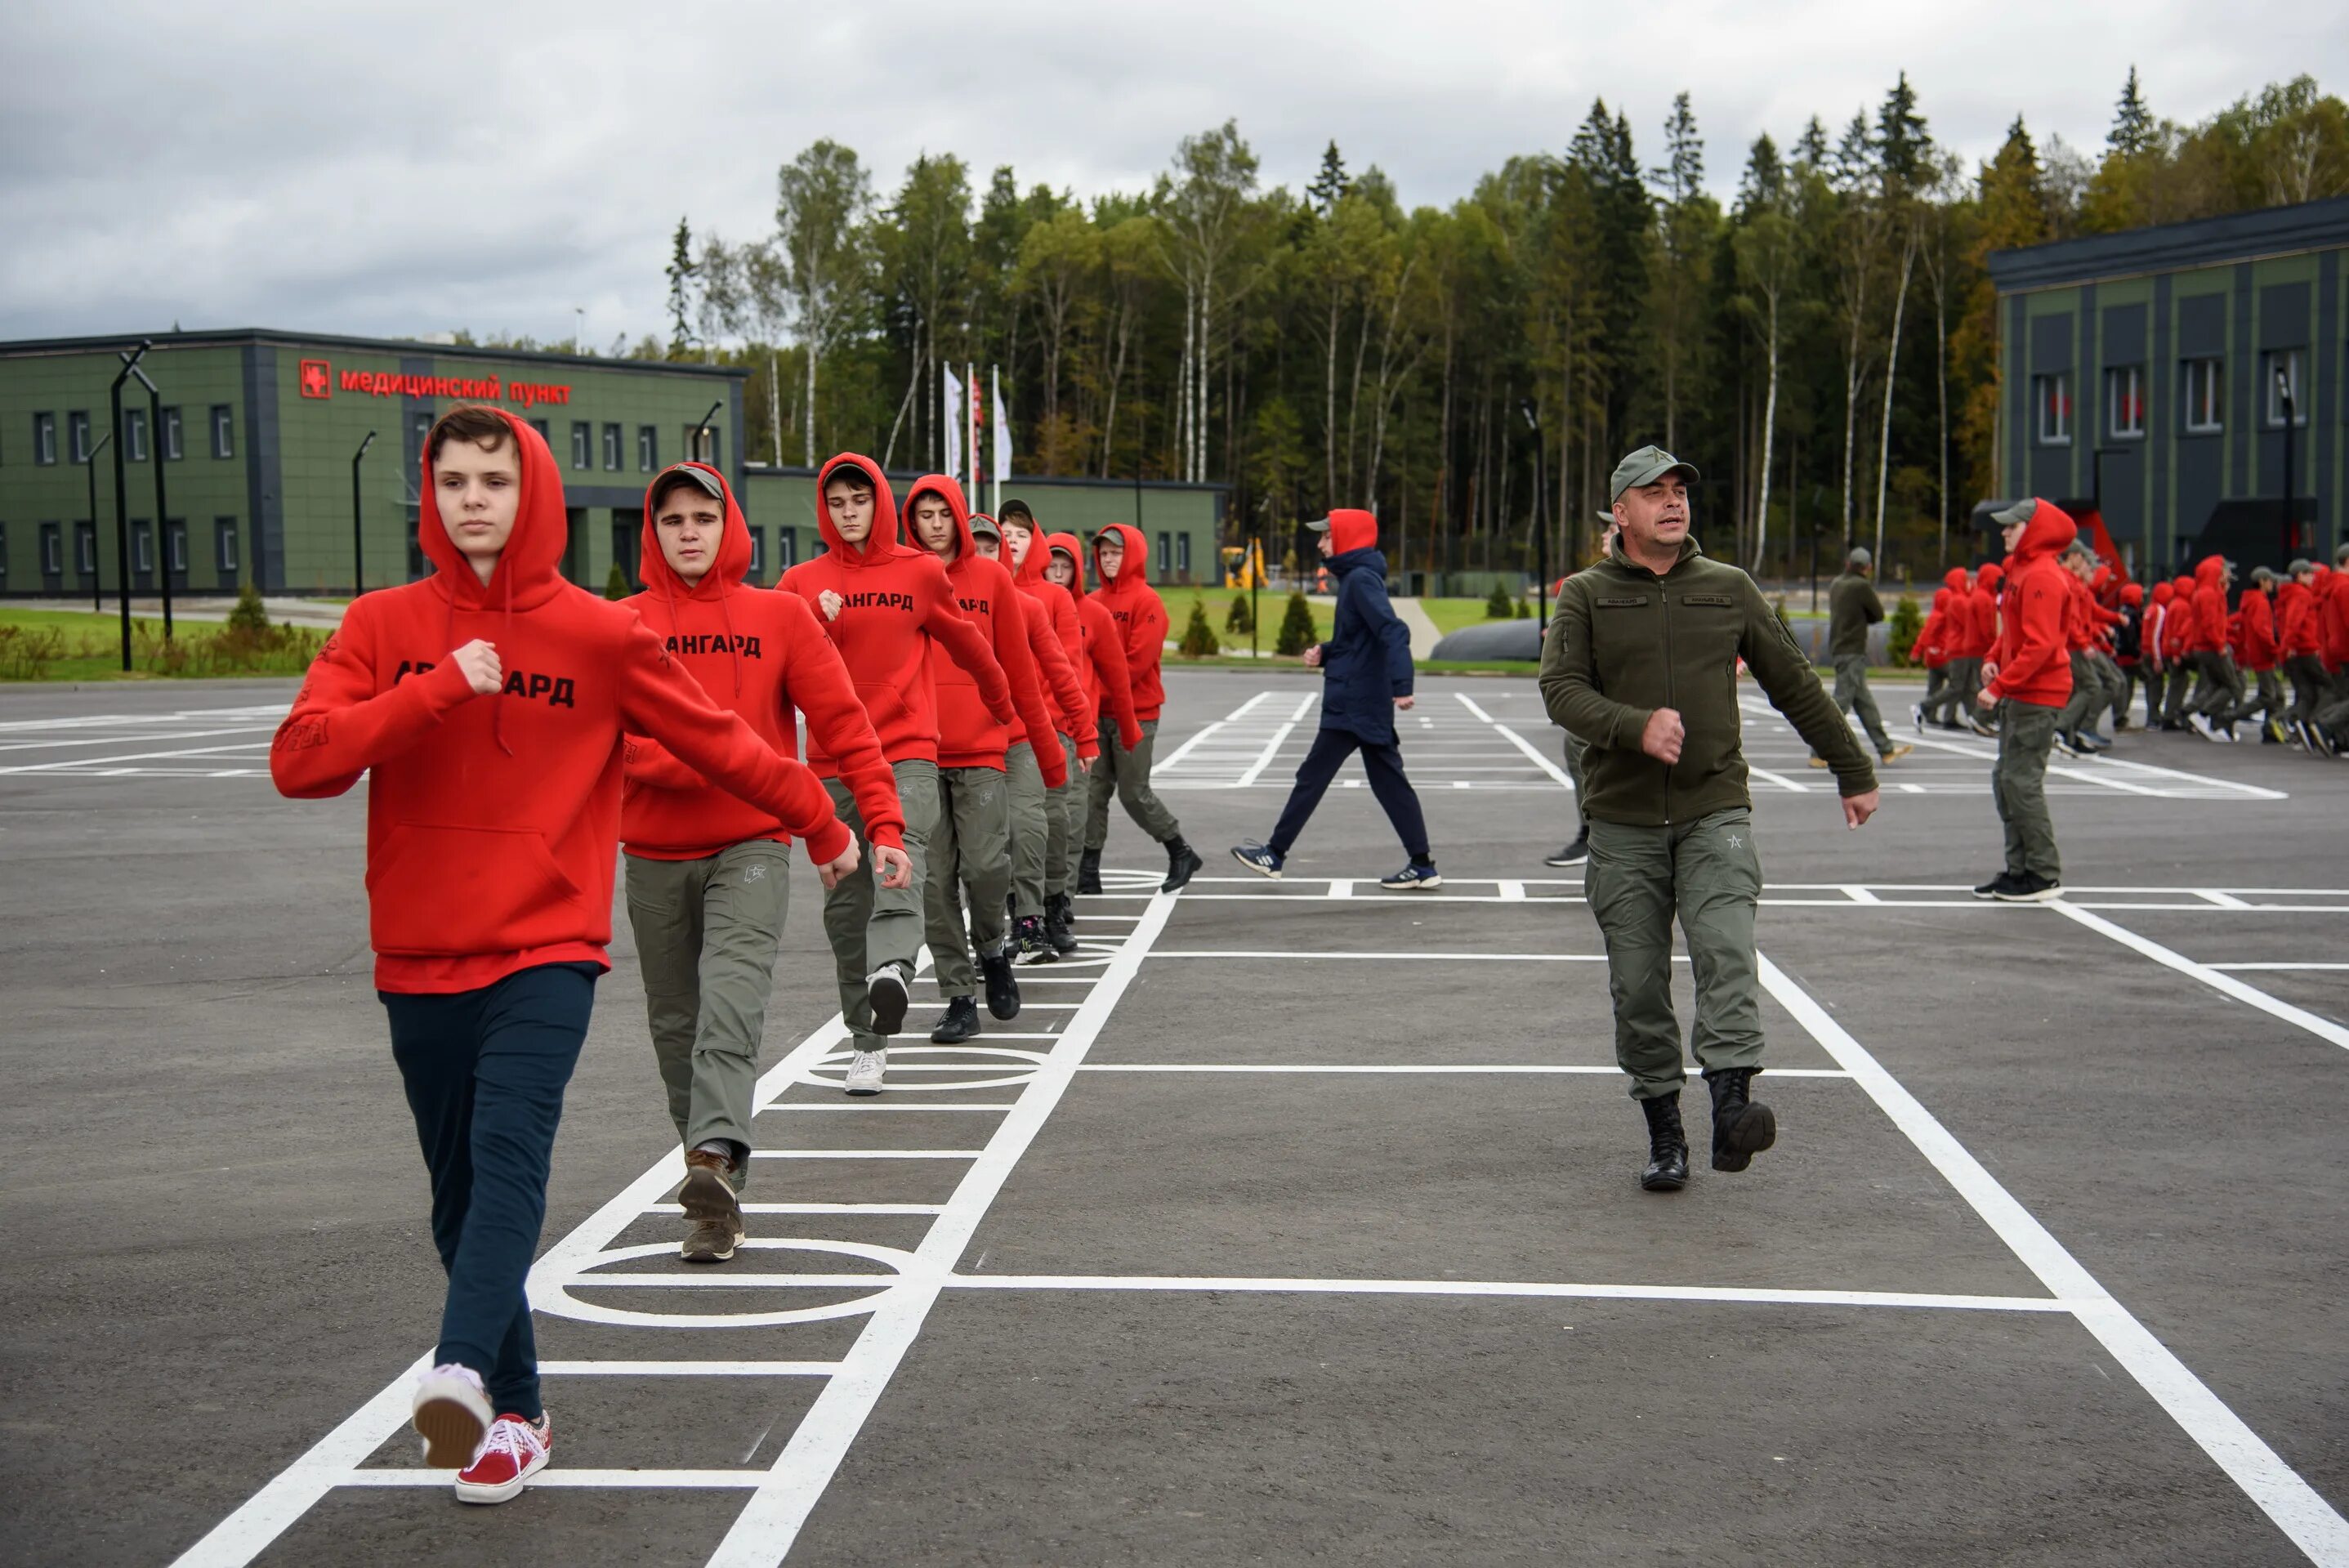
<point>454,890</point>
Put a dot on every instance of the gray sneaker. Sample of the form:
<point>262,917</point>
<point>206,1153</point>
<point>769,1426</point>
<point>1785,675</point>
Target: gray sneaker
<point>864,1071</point>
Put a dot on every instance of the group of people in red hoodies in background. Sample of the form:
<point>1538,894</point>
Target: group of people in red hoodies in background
<point>2195,651</point>
<point>517,727</point>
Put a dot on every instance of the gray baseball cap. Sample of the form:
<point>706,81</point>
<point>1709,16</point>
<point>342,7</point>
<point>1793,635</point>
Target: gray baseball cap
<point>1859,556</point>
<point>2020,512</point>
<point>1646,466</point>
<point>982,526</point>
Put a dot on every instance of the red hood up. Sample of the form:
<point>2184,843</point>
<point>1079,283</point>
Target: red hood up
<point>1072,546</point>
<point>965,547</point>
<point>2212,571</point>
<point>1352,529</point>
<point>2051,529</point>
<point>1029,573</point>
<point>2132,594</point>
<point>526,573</point>
<point>733,546</point>
<point>1955,578</point>
<point>1136,568</point>
<point>2163,593</point>
<point>1944,598</point>
<point>1991,576</point>
<point>882,542</point>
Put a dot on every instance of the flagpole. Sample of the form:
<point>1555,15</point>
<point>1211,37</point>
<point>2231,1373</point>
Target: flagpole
<point>995,396</point>
<point>971,421</point>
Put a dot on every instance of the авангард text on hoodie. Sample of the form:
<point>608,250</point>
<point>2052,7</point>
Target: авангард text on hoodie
<point>895,601</point>
<point>493,820</point>
<point>760,654</point>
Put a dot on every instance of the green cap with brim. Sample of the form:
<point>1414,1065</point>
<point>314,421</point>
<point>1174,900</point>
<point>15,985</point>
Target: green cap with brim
<point>2020,513</point>
<point>1646,466</point>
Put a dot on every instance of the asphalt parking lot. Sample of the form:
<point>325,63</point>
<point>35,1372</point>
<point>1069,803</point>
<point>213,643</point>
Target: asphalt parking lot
<point>1290,1223</point>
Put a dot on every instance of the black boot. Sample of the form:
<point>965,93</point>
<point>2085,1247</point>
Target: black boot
<point>1002,991</point>
<point>1741,1126</point>
<point>1183,863</point>
<point>1059,924</point>
<point>960,1022</point>
<point>1667,1169</point>
<point>1088,872</point>
<point>1028,942</point>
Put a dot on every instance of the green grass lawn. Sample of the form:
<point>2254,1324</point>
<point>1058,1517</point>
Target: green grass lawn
<point>1270,606</point>
<point>77,645</point>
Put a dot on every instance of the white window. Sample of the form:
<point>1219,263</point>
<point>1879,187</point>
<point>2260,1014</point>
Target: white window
<point>648,449</point>
<point>2125,401</point>
<point>78,435</point>
<point>612,447</point>
<point>224,546</point>
<point>2204,408</point>
<point>1181,554</point>
<point>787,546</point>
<point>2282,371</point>
<point>2053,397</point>
<point>223,431</point>
<point>758,553</point>
<point>134,437</point>
<point>142,547</point>
<point>45,438</point>
<point>581,440</point>
<point>1165,562</point>
<point>85,549</point>
<point>53,551</point>
<point>172,434</point>
<point>175,543</point>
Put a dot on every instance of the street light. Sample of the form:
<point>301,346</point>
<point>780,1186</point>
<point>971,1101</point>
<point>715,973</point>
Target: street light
<point>1541,536</point>
<point>97,583</point>
<point>359,554</point>
<point>129,357</point>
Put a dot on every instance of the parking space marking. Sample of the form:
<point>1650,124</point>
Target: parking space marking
<point>2217,980</point>
<point>1732,1294</point>
<point>2281,1494</point>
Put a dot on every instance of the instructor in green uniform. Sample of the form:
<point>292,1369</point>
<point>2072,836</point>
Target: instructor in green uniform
<point>1852,608</point>
<point>1641,663</point>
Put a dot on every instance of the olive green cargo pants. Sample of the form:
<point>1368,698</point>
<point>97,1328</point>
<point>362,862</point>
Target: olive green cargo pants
<point>970,847</point>
<point>1126,775</point>
<point>2018,787</point>
<point>1708,874</point>
<point>706,931</point>
<point>1031,828</point>
<point>1852,695</point>
<point>1064,825</point>
<point>869,925</point>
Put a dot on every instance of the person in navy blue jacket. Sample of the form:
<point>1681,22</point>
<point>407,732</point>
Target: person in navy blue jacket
<point>1367,676</point>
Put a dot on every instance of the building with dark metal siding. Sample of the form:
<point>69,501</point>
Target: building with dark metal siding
<point>260,427</point>
<point>2140,376</point>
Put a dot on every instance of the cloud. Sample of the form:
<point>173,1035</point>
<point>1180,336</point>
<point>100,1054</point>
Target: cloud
<point>404,169</point>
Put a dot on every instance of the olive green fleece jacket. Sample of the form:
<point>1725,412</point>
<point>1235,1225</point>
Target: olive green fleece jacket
<point>1626,642</point>
<point>1852,608</point>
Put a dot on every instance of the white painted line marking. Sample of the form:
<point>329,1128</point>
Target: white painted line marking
<point>687,1369</point>
<point>636,1479</point>
<point>2279,1490</point>
<point>1434,1069</point>
<point>1860,895</point>
<point>1512,892</point>
<point>762,1535</point>
<point>2234,967</point>
<point>1781,780</point>
<point>1417,957</point>
<point>1730,1293</point>
<point>2298,1017</point>
<point>1342,889</point>
<point>2223,900</point>
<point>866,1153</point>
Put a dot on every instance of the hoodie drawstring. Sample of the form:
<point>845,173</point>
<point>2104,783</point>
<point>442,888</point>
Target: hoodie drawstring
<point>733,643</point>
<point>505,639</point>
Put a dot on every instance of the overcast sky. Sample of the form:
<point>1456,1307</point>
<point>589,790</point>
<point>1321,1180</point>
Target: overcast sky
<point>398,171</point>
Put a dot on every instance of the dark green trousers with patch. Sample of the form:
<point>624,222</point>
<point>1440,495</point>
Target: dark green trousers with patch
<point>1064,824</point>
<point>1126,775</point>
<point>1031,827</point>
<point>1709,875</point>
<point>2018,787</point>
<point>869,925</point>
<point>1852,695</point>
<point>970,850</point>
<point>705,932</point>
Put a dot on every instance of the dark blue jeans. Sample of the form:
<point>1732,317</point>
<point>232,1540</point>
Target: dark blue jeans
<point>485,1070</point>
<point>1382,762</point>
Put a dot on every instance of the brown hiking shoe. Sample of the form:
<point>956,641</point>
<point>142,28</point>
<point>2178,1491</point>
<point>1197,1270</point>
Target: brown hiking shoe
<point>710,1210</point>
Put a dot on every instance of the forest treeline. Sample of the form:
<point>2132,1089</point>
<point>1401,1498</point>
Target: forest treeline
<point>1824,348</point>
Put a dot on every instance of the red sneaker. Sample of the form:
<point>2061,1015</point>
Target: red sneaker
<point>514,1450</point>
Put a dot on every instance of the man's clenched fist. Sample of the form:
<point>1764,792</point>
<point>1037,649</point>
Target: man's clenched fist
<point>1662,737</point>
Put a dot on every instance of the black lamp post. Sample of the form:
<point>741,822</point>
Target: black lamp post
<point>1541,535</point>
<point>358,554</point>
<point>89,466</point>
<point>131,357</point>
<point>162,524</point>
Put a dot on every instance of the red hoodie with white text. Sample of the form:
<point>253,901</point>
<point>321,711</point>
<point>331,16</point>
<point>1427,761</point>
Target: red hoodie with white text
<point>760,654</point>
<point>493,820</point>
<point>895,603</point>
<point>1140,614</point>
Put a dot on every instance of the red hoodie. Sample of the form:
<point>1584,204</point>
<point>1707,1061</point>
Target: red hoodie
<point>1052,620</point>
<point>1982,606</point>
<point>1139,615</point>
<point>2032,667</point>
<point>2157,626</point>
<point>1107,683</point>
<point>896,601</point>
<point>2177,630</point>
<point>1958,629</point>
<point>490,823</point>
<point>2255,637</point>
<point>2334,595</point>
<point>2297,628</point>
<point>760,654</point>
<point>968,736</point>
<point>2209,606</point>
<point>1931,646</point>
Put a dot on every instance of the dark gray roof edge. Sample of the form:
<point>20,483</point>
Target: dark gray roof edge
<point>2169,247</point>
<point>410,346</point>
<point>1023,481</point>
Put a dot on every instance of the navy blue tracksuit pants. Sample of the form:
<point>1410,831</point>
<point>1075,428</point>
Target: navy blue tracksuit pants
<point>1382,762</point>
<point>485,1070</point>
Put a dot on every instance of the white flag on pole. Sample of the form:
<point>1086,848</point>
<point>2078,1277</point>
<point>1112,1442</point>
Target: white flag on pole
<point>1002,417</point>
<point>953,464</point>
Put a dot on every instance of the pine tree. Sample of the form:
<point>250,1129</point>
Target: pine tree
<point>1900,632</point>
<point>1198,637</point>
<point>681,271</point>
<point>1498,606</point>
<point>1296,633</point>
<point>1904,147</point>
<point>1330,183</point>
<point>2134,131</point>
<point>616,583</point>
<point>1239,619</point>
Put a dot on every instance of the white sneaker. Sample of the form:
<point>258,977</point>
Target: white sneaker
<point>864,1070</point>
<point>452,1413</point>
<point>2203,727</point>
<point>514,1451</point>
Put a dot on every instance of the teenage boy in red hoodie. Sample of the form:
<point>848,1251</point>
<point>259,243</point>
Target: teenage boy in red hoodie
<point>707,874</point>
<point>2153,656</point>
<point>1109,698</point>
<point>2028,679</point>
<point>1982,606</point>
<point>1121,560</point>
<point>2218,699</point>
<point>2300,638</point>
<point>1039,838</point>
<point>2178,647</point>
<point>885,604</point>
<point>489,702</point>
<point>971,846</point>
<point>2254,642</point>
